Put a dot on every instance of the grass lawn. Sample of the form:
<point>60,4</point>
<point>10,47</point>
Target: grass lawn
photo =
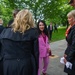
<point>58,35</point>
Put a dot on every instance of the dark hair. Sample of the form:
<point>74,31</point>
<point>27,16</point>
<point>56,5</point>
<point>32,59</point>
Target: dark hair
<point>70,2</point>
<point>12,20</point>
<point>15,12</point>
<point>45,27</point>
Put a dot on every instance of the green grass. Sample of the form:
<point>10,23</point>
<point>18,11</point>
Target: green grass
<point>58,35</point>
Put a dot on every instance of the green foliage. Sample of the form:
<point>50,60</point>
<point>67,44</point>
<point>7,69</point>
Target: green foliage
<point>59,35</point>
<point>50,10</point>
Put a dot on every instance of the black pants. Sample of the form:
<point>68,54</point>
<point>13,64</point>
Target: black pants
<point>69,74</point>
<point>50,35</point>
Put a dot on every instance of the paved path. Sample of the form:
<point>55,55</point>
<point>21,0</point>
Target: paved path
<point>55,67</point>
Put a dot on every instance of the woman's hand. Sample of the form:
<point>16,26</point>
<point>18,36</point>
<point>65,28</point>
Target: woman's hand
<point>65,61</point>
<point>65,55</point>
<point>49,50</point>
<point>65,58</point>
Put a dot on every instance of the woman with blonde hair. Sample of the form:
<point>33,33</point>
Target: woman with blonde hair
<point>20,46</point>
<point>69,55</point>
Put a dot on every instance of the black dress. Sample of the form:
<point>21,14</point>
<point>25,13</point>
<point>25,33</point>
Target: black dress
<point>20,52</point>
<point>70,51</point>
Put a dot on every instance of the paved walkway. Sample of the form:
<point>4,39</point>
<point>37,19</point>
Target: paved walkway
<point>55,67</point>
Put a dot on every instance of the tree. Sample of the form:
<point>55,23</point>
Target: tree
<point>50,10</point>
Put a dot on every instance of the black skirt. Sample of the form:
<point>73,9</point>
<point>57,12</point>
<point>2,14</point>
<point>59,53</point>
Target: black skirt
<point>18,67</point>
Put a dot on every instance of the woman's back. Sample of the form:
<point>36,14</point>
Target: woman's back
<point>18,46</point>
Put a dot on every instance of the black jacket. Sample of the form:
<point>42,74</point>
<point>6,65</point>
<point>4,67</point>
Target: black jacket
<point>10,22</point>
<point>49,28</point>
<point>70,50</point>
<point>1,28</point>
<point>18,46</point>
<point>1,61</point>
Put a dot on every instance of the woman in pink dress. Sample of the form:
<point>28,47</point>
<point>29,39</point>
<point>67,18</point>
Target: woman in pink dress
<point>44,47</point>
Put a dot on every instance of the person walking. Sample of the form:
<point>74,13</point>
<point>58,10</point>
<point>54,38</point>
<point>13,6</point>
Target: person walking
<point>50,30</point>
<point>20,46</point>
<point>44,47</point>
<point>55,28</point>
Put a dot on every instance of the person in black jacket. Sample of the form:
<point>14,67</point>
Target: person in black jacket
<point>1,25</point>
<point>50,30</point>
<point>14,15</point>
<point>69,55</point>
<point>20,46</point>
<point>1,62</point>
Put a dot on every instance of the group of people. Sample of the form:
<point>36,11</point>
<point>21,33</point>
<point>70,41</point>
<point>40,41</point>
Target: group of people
<point>23,47</point>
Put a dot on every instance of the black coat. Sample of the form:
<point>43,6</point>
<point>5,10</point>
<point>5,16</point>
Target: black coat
<point>10,22</point>
<point>1,28</point>
<point>49,28</point>
<point>1,61</point>
<point>70,51</point>
<point>20,52</point>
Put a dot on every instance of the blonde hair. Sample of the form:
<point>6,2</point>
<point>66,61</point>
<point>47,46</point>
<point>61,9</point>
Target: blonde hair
<point>23,21</point>
<point>71,14</point>
<point>1,21</point>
